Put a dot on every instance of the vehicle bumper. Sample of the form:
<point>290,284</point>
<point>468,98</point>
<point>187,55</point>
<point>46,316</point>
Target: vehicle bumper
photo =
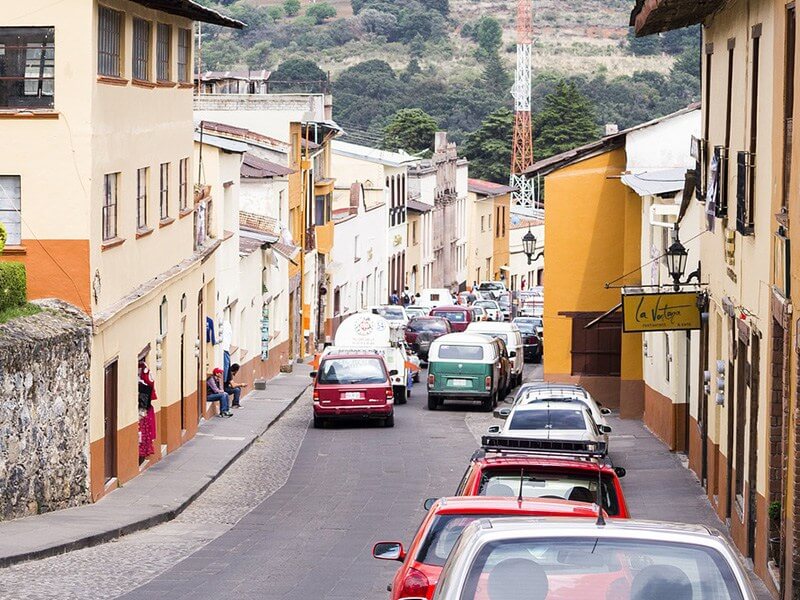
<point>460,395</point>
<point>345,412</point>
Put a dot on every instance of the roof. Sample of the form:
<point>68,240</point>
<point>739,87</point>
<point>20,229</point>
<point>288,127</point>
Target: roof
<point>488,188</point>
<point>260,74</point>
<point>655,16</point>
<point>417,206</point>
<point>501,505</point>
<point>601,146</point>
<point>542,527</point>
<point>516,460</point>
<point>255,167</point>
<point>656,181</point>
<point>384,157</point>
<point>249,242</point>
<point>285,250</point>
<point>243,134</point>
<point>259,224</point>
<point>520,222</point>
<point>219,142</point>
<point>192,10</point>
<point>462,338</point>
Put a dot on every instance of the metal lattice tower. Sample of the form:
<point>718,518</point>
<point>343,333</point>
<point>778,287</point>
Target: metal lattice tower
<point>523,200</point>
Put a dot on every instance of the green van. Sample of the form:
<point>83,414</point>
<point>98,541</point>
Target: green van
<point>465,366</point>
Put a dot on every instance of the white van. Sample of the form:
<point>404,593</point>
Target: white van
<point>434,297</point>
<point>510,334</point>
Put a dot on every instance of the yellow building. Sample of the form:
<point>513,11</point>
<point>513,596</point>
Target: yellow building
<point>593,229</point>
<point>103,210</point>
<point>488,222</point>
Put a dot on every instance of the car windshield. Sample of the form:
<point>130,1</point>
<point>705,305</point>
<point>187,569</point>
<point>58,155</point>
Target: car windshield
<point>491,286</point>
<point>454,316</point>
<point>504,301</point>
<point>391,313</point>
<point>547,419</point>
<point>351,370</point>
<point>486,303</point>
<point>527,325</point>
<point>595,568</point>
<point>428,325</point>
<point>459,352</point>
<point>497,334</point>
<point>578,487</point>
<point>442,536</point>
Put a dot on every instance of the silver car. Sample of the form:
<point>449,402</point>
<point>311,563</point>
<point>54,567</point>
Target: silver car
<point>536,558</point>
<point>552,420</point>
<point>529,393</point>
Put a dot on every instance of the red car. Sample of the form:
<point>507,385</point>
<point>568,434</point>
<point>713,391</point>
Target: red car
<point>550,477</point>
<point>353,385</point>
<point>436,536</point>
<point>459,316</point>
<point>421,331</point>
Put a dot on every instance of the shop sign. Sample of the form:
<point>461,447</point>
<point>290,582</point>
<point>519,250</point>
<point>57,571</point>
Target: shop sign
<point>660,312</point>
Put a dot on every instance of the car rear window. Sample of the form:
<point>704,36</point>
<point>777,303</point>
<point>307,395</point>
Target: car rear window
<point>389,313</point>
<point>457,316</point>
<point>428,325</point>
<point>577,487</point>
<point>442,536</point>
<point>460,352</point>
<point>490,286</point>
<point>496,334</point>
<point>593,568</point>
<point>547,419</point>
<point>486,303</point>
<point>348,371</point>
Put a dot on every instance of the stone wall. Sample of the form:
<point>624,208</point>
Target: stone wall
<point>44,411</point>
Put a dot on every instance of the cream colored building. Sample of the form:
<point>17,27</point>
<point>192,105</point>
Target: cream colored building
<point>103,107</point>
<point>483,231</point>
<point>524,275</point>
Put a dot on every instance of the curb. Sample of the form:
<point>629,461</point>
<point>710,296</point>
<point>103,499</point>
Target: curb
<point>147,523</point>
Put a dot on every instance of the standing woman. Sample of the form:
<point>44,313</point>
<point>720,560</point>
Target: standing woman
<point>147,415</point>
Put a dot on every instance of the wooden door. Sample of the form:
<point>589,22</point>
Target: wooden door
<point>183,385</point>
<point>201,333</point>
<point>110,421</point>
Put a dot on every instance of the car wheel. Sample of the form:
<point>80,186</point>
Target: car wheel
<point>538,358</point>
<point>400,394</point>
<point>319,422</point>
<point>487,404</point>
<point>389,421</point>
<point>433,404</point>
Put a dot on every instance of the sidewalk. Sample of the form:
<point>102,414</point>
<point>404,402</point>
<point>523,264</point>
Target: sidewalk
<point>658,487</point>
<point>164,490</point>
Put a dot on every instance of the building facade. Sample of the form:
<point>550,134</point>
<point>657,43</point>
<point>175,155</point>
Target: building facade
<point>488,220</point>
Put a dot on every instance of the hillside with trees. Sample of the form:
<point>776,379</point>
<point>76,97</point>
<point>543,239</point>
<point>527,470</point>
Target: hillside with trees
<point>402,67</point>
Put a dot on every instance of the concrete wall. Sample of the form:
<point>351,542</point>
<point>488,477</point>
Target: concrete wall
<point>44,416</point>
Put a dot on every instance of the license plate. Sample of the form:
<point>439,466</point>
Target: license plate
<point>459,382</point>
<point>352,396</point>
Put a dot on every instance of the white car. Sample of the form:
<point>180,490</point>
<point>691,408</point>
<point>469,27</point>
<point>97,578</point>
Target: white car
<point>543,392</point>
<point>495,288</point>
<point>417,311</point>
<point>552,420</point>
<point>509,333</point>
<point>583,559</point>
<point>492,308</point>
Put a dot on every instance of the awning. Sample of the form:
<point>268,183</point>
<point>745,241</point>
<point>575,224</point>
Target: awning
<point>655,182</point>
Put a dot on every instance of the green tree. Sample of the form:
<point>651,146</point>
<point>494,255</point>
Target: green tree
<point>257,56</point>
<point>275,12</point>
<point>221,54</point>
<point>566,120</point>
<point>297,74</point>
<point>489,147</point>
<point>291,7</point>
<point>321,12</point>
<point>688,62</point>
<point>643,46</point>
<point>3,237</point>
<point>489,34</point>
<point>410,129</point>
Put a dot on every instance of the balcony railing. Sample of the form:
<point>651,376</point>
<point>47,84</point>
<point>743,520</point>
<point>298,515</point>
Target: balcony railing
<point>745,206</point>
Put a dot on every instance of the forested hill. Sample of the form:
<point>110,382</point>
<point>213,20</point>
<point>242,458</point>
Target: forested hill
<point>453,60</point>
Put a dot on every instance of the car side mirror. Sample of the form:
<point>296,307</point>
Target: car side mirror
<point>388,551</point>
<point>428,502</point>
<point>620,471</point>
<point>393,372</point>
<point>494,429</point>
<point>502,413</point>
<point>313,374</point>
<point>605,411</point>
<point>604,428</point>
<point>513,353</point>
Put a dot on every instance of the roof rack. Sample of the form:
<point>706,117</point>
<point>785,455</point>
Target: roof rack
<point>498,443</point>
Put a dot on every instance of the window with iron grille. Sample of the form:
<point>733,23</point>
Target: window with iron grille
<point>721,153</point>
<point>109,42</point>
<point>183,183</point>
<point>184,54</point>
<point>142,175</point>
<point>745,165</point>
<point>163,51</point>
<point>111,186</point>
<point>164,191</point>
<point>27,67</point>
<point>10,208</point>
<point>141,49</point>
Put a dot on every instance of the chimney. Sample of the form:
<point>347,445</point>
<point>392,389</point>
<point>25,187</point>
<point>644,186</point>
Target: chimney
<point>441,141</point>
<point>612,129</point>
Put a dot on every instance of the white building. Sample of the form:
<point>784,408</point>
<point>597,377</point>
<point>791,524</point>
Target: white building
<point>524,276</point>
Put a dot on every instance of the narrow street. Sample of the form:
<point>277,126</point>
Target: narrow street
<point>296,516</point>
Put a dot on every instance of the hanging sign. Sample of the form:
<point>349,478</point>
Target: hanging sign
<point>660,312</point>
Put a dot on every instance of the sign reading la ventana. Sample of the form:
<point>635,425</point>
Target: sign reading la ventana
<point>660,312</point>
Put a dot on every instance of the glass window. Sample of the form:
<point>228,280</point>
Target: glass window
<point>141,49</point>
<point>450,351</point>
<point>164,51</point>
<point>109,42</point>
<point>27,67</point>
<point>496,334</point>
<point>547,419</point>
<point>351,370</point>
<point>429,325</point>
<point>442,536</point>
<point>142,176</point>
<point>598,568</point>
<point>389,312</point>
<point>184,54</point>
<point>10,208</point>
<point>164,191</point>
<point>454,316</point>
<point>183,184</point>
<point>111,186</point>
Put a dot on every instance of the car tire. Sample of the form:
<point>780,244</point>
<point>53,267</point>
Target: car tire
<point>319,422</point>
<point>389,421</point>
<point>488,404</point>
<point>538,358</point>
<point>433,403</point>
<point>400,394</point>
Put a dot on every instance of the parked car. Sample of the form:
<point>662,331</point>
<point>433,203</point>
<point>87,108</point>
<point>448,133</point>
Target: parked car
<point>463,366</point>
<point>353,385</point>
<point>552,420</point>
<point>415,310</point>
<point>439,531</point>
<point>545,392</point>
<point>510,334</point>
<point>577,558</point>
<point>478,313</point>
<point>504,302</point>
<point>531,340</point>
<point>459,316</point>
<point>492,308</point>
<point>542,472</point>
<point>466,298</point>
<point>422,331</point>
<point>495,288</point>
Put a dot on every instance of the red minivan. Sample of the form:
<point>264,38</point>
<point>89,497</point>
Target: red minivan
<point>459,316</point>
<point>353,385</point>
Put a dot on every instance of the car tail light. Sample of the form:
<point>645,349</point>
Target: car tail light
<point>389,393</point>
<point>431,379</point>
<point>488,382</point>
<point>316,395</point>
<point>411,337</point>
<point>414,584</point>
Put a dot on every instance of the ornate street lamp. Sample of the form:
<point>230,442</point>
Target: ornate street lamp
<point>676,264</point>
<point>529,246</point>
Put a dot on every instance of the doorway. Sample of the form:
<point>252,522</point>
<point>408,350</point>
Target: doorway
<point>755,357</point>
<point>110,394</point>
<point>688,393</point>
<point>201,332</point>
<point>182,380</point>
